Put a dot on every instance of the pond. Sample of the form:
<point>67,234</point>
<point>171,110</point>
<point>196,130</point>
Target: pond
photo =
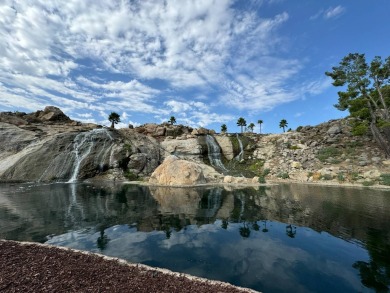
<point>282,238</point>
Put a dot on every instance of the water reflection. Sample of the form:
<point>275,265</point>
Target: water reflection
<point>282,238</point>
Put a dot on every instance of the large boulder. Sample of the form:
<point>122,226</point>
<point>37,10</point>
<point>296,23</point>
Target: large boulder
<point>226,146</point>
<point>51,113</point>
<point>176,172</point>
<point>190,149</point>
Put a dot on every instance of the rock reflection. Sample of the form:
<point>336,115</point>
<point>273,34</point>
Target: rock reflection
<point>178,216</point>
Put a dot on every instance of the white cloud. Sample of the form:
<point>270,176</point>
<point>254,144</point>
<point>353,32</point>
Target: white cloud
<point>334,12</point>
<point>64,54</point>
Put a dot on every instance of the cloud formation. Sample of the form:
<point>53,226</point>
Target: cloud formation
<point>92,56</point>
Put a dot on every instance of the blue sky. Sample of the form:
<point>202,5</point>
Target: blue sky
<point>206,62</point>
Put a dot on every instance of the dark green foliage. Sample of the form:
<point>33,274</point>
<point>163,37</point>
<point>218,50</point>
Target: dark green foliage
<point>251,126</point>
<point>114,118</point>
<point>340,177</point>
<point>329,152</point>
<point>385,179</point>
<point>172,120</point>
<point>367,95</point>
<point>241,122</point>
<point>299,128</point>
<point>368,183</point>
<point>131,176</point>
<point>223,128</point>
<point>262,179</point>
<point>283,175</point>
<point>283,124</point>
<point>260,122</point>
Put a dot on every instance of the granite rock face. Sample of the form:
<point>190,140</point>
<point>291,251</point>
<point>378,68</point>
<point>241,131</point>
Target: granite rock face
<point>177,172</point>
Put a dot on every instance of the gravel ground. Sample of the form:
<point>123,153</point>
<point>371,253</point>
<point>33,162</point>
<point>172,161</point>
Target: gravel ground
<point>31,267</point>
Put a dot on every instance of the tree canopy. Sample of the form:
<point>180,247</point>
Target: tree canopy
<point>366,96</point>
<point>172,120</point>
<point>283,124</point>
<point>223,128</point>
<point>260,122</point>
<point>251,126</point>
<point>241,122</point>
<point>114,118</point>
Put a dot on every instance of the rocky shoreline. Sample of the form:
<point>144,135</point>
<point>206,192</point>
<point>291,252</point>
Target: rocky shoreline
<point>34,267</point>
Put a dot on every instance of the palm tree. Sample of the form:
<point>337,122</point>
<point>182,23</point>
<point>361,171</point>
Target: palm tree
<point>241,122</point>
<point>172,120</point>
<point>283,124</point>
<point>114,118</point>
<point>251,126</point>
<point>260,122</point>
<point>223,128</point>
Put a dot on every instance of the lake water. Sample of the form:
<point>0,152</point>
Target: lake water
<point>283,238</point>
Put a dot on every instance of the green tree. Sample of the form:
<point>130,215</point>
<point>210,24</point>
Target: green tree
<point>260,122</point>
<point>223,128</point>
<point>367,95</point>
<point>114,118</point>
<point>283,124</point>
<point>241,122</point>
<point>172,120</point>
<point>251,126</point>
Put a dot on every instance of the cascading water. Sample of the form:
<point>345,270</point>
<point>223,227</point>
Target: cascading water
<point>240,156</point>
<point>214,153</point>
<point>83,144</point>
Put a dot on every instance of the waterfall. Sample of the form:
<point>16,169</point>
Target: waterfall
<point>240,156</point>
<point>214,153</point>
<point>82,146</point>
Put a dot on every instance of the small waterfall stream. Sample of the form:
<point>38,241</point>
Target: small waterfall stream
<point>240,156</point>
<point>83,144</point>
<point>214,153</point>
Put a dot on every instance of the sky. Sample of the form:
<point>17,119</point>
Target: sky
<point>205,62</point>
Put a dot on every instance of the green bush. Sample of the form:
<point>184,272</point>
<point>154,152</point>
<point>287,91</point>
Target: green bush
<point>328,152</point>
<point>299,128</point>
<point>359,129</point>
<point>131,176</point>
<point>368,183</point>
<point>262,179</point>
<point>266,171</point>
<point>340,177</point>
<point>283,175</point>
<point>326,177</point>
<point>385,179</point>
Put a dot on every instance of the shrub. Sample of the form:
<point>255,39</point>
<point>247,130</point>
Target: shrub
<point>299,128</point>
<point>368,183</point>
<point>327,153</point>
<point>340,177</point>
<point>266,171</point>
<point>359,129</point>
<point>385,179</point>
<point>262,179</point>
<point>283,175</point>
<point>131,176</point>
<point>327,177</point>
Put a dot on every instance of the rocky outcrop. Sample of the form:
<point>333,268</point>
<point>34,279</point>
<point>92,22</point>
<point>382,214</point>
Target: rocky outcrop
<point>177,172</point>
<point>226,146</point>
<point>189,149</point>
<point>47,145</point>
